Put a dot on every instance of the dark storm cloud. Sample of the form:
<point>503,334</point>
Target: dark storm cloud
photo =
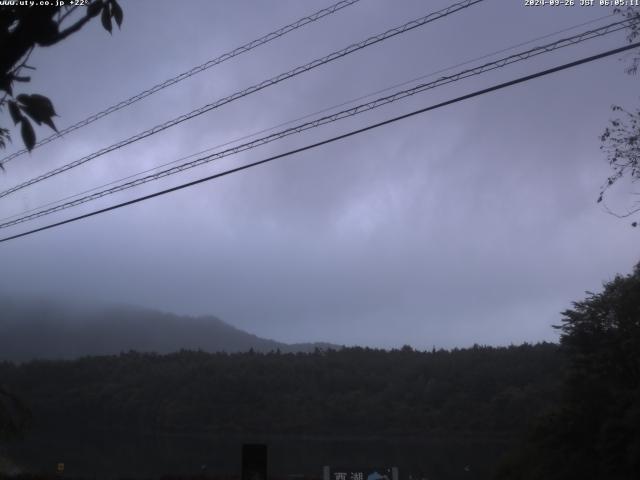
<point>474,223</point>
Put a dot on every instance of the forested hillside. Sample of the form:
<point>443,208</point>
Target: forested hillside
<point>353,391</point>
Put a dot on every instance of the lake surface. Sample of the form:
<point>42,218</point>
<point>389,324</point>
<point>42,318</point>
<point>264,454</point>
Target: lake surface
<point>99,454</point>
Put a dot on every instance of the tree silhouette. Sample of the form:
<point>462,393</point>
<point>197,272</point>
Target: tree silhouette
<point>621,139</point>
<point>595,430</point>
<point>24,28</point>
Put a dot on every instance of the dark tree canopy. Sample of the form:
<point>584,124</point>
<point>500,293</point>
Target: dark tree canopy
<point>479,395</point>
<point>353,391</point>
<point>594,433</point>
<point>24,28</point>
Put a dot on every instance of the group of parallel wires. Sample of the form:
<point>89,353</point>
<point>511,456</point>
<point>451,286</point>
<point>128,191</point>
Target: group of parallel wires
<point>311,121</point>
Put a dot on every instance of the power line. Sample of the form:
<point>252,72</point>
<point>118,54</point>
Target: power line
<point>309,115</point>
<point>189,73</point>
<point>255,88</point>
<point>500,63</point>
<point>333,139</point>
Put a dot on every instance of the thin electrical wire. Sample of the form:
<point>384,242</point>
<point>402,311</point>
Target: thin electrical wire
<point>309,115</point>
<point>500,63</point>
<point>333,107</point>
<point>255,88</point>
<point>247,47</point>
<point>477,93</point>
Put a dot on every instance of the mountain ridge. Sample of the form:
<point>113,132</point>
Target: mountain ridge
<point>52,330</point>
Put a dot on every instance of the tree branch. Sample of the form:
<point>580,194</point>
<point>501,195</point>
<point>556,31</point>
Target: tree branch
<point>66,14</point>
<point>72,29</point>
<point>633,211</point>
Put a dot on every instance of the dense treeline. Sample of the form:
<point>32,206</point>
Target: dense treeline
<point>594,431</point>
<point>353,391</point>
<point>576,405</point>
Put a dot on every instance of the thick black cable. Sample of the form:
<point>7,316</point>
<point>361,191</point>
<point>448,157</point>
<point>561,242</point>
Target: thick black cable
<point>189,73</point>
<point>333,139</point>
<point>419,22</point>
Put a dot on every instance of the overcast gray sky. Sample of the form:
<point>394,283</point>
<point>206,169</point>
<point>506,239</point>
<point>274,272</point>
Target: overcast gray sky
<point>475,223</point>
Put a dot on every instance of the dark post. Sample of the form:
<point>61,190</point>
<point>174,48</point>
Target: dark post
<point>254,462</point>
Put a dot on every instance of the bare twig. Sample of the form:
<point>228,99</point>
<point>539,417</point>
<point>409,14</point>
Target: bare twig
<point>66,14</point>
<point>629,213</point>
<point>76,26</point>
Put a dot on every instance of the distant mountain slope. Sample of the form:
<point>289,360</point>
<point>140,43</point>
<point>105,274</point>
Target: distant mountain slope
<point>50,330</point>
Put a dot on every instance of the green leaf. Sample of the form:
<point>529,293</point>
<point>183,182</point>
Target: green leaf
<point>14,110</point>
<point>116,12</point>
<point>106,18</point>
<point>39,108</point>
<point>28,135</point>
<point>50,124</point>
<point>39,103</point>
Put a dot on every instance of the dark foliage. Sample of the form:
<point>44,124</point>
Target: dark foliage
<point>22,28</point>
<point>594,433</point>
<point>352,391</point>
<point>14,415</point>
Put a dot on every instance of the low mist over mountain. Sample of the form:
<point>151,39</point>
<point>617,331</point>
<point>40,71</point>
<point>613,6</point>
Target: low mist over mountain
<point>45,329</point>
